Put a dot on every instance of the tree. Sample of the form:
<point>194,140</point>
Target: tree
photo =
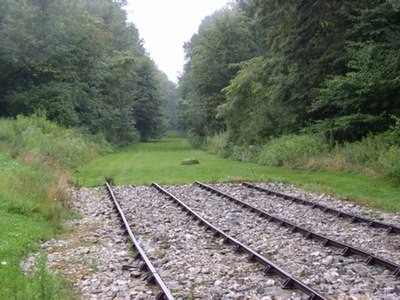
<point>169,91</point>
<point>250,111</point>
<point>363,100</point>
<point>150,104</point>
<point>81,63</point>
<point>222,42</point>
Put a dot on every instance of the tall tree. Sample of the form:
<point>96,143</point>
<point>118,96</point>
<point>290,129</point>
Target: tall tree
<point>169,91</point>
<point>222,42</point>
<point>363,100</point>
<point>80,62</point>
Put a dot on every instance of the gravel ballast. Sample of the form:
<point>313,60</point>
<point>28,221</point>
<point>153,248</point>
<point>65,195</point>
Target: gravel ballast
<point>196,265</point>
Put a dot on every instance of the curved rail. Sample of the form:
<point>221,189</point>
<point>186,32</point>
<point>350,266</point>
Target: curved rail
<point>340,214</point>
<point>370,259</point>
<point>154,276</point>
<point>271,268</point>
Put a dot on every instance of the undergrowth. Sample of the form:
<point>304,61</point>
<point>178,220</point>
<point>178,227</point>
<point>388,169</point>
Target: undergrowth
<point>36,158</point>
<point>377,155</point>
<point>292,151</point>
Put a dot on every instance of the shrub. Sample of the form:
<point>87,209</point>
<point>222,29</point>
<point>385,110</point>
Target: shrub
<point>218,144</point>
<point>41,141</point>
<point>195,140</point>
<point>379,152</point>
<point>390,162</point>
<point>365,152</point>
<point>248,153</point>
<point>293,151</point>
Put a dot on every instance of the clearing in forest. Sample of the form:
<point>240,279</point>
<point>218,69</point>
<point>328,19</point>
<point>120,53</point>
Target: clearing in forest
<point>160,161</point>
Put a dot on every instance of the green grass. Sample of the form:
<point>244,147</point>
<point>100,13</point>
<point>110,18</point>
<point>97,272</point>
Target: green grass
<point>23,224</point>
<point>159,161</point>
<point>35,159</point>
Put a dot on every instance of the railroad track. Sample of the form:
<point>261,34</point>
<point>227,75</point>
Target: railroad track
<point>185,226</point>
<point>325,209</point>
<point>358,234</point>
<point>245,264</point>
<point>345,249</point>
<point>153,276</point>
<point>309,258</point>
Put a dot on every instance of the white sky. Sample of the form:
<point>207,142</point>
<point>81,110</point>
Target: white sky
<point>165,25</point>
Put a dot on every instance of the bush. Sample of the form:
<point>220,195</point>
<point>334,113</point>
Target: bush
<point>195,140</point>
<point>34,138</point>
<point>390,161</point>
<point>292,151</point>
<point>250,153</point>
<point>365,152</point>
<point>43,154</point>
<point>218,144</point>
<point>379,152</point>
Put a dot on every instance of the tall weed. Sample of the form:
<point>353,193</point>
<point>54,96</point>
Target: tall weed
<point>44,141</point>
<point>390,162</point>
<point>380,152</point>
<point>375,154</point>
<point>248,153</point>
<point>292,151</point>
<point>39,284</point>
<point>218,144</point>
<point>195,140</point>
<point>365,152</point>
<point>36,157</point>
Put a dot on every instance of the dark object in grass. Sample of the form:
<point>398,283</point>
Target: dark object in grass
<point>190,161</point>
<point>110,180</point>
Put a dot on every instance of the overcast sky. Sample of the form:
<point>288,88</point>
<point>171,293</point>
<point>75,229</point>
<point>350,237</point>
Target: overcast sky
<point>165,25</point>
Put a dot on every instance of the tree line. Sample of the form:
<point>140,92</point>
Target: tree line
<point>83,65</point>
<point>265,68</point>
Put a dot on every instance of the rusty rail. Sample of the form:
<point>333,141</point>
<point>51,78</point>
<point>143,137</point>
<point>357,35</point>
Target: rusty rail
<point>154,276</point>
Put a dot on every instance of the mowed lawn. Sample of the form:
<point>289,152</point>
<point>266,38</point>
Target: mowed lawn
<point>160,161</point>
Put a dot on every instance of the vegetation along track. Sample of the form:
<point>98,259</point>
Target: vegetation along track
<point>194,258</point>
<point>336,274</point>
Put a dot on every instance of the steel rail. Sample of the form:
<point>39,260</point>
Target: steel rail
<point>340,214</point>
<point>271,268</point>
<point>154,276</point>
<point>346,249</point>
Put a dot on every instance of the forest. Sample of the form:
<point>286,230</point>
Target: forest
<point>262,79</point>
<point>82,65</point>
<point>284,82</point>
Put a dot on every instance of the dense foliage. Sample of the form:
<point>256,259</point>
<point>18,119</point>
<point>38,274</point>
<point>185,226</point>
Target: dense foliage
<point>81,63</point>
<point>224,39</point>
<point>261,69</point>
<point>301,84</point>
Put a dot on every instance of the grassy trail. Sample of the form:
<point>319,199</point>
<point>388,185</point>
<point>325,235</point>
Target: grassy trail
<point>159,161</point>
